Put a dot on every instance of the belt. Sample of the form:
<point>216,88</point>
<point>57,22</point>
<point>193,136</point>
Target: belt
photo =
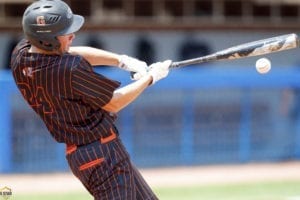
<point>70,148</point>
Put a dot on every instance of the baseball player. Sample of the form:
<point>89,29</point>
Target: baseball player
<point>77,105</point>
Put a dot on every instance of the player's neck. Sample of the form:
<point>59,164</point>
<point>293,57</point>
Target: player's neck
<point>34,49</point>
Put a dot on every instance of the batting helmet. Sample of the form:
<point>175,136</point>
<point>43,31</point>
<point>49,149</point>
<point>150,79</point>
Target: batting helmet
<point>44,20</point>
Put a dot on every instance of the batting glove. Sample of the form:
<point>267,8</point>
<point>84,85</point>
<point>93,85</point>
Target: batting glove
<point>159,70</point>
<point>137,67</point>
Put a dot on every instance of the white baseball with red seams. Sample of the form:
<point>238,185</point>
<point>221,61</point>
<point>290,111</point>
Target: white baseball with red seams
<point>263,65</point>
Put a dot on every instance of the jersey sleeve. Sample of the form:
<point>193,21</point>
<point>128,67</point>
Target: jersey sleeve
<point>93,88</point>
<point>22,44</point>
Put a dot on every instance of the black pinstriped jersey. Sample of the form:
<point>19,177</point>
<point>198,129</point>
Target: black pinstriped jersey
<point>66,93</point>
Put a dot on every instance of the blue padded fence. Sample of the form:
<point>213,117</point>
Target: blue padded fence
<point>194,117</point>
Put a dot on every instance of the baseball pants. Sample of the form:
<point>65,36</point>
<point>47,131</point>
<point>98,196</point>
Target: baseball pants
<point>104,168</point>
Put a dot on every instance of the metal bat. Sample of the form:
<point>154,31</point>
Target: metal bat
<point>256,48</point>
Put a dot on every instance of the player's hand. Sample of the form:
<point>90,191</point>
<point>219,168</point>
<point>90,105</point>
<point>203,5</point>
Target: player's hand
<point>159,70</point>
<point>137,67</point>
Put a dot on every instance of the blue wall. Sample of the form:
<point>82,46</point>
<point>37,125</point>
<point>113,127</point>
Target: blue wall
<point>198,115</point>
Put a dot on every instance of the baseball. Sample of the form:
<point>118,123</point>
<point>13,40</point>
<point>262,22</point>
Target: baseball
<point>263,65</point>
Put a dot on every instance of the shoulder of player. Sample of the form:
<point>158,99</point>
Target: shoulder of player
<point>22,44</point>
<point>77,62</point>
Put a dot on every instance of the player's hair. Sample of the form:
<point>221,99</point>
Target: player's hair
<point>44,20</point>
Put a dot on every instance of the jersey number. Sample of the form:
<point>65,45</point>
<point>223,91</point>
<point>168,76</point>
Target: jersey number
<point>36,98</point>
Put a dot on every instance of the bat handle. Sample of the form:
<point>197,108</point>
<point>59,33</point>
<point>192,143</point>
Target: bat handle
<point>174,65</point>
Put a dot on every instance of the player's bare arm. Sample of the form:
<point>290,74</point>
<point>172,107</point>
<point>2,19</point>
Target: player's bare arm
<point>96,56</point>
<point>127,94</point>
<point>101,57</point>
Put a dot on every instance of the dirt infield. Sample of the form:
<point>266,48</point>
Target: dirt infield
<point>163,177</point>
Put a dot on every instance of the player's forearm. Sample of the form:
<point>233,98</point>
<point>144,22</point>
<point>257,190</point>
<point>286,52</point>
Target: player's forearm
<point>127,94</point>
<point>96,56</point>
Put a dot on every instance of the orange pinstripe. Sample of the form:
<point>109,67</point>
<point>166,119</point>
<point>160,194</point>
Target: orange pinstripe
<point>109,138</point>
<point>91,164</point>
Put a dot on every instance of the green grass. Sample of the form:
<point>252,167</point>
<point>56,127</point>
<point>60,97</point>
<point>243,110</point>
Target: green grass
<point>60,196</point>
<point>253,191</point>
<point>289,190</point>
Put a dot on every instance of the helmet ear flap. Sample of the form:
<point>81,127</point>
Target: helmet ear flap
<point>46,43</point>
<point>50,44</point>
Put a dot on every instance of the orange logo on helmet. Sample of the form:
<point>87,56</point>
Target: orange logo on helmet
<point>40,20</point>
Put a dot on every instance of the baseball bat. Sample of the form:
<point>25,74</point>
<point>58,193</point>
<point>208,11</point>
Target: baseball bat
<point>255,48</point>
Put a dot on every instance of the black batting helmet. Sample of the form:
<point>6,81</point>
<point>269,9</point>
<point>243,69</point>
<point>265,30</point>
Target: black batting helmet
<point>44,20</point>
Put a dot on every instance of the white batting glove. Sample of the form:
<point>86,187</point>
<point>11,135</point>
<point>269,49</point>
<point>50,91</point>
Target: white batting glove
<point>139,68</point>
<point>159,70</point>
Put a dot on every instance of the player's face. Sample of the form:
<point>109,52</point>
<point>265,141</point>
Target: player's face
<point>65,42</point>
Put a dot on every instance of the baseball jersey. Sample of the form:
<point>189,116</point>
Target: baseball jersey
<point>66,93</point>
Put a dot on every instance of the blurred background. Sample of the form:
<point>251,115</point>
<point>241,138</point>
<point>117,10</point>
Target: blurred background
<point>215,113</point>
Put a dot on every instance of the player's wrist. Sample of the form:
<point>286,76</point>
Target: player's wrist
<point>131,64</point>
<point>150,79</point>
<point>121,61</point>
<point>137,67</point>
<point>154,76</point>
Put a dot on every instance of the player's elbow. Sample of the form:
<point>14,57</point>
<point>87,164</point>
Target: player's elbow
<point>111,107</point>
<point>115,104</point>
<point>119,101</point>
